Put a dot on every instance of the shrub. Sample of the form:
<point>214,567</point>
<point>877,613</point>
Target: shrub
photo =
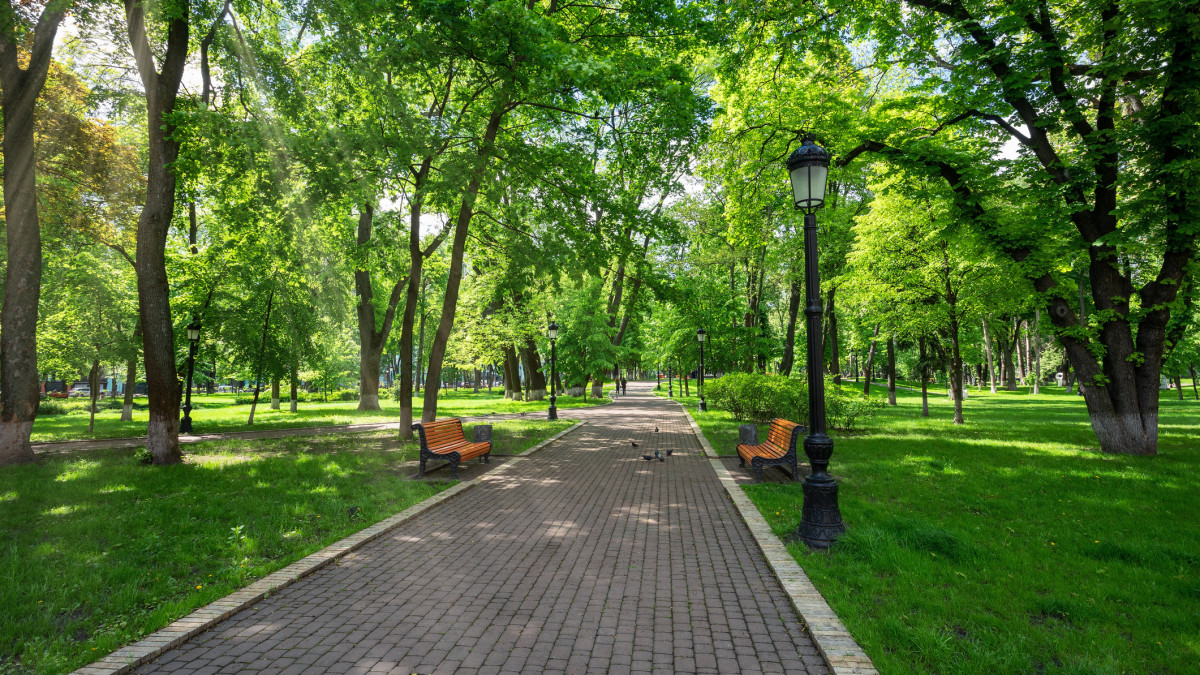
<point>754,397</point>
<point>844,408</point>
<point>344,395</point>
<point>54,406</point>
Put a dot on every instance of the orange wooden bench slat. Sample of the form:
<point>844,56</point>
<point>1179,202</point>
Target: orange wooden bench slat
<point>779,448</point>
<point>444,439</point>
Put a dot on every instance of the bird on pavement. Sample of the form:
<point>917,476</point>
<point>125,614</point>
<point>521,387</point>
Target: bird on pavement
<point>633,443</point>
<point>648,458</point>
<point>669,451</point>
<point>656,430</point>
<point>659,457</point>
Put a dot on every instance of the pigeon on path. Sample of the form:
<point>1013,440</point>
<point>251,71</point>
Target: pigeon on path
<point>656,430</point>
<point>659,457</point>
<point>669,451</point>
<point>633,443</point>
<point>648,458</point>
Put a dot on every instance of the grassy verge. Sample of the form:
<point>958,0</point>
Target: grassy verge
<point>98,550</point>
<point>1009,544</point>
<point>220,413</point>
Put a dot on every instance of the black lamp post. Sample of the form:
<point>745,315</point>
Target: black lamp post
<point>670,381</point>
<point>820,519</point>
<point>700,335</point>
<point>552,331</point>
<point>193,334</point>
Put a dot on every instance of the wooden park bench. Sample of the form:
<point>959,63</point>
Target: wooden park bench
<point>778,450</point>
<point>444,439</point>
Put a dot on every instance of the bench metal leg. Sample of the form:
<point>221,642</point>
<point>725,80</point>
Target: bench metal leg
<point>795,471</point>
<point>421,473</point>
<point>757,472</point>
<point>453,469</point>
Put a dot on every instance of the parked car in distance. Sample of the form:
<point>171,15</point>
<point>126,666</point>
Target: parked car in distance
<point>80,391</point>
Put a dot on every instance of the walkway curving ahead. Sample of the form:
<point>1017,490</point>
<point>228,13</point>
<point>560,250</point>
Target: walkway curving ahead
<point>588,560</point>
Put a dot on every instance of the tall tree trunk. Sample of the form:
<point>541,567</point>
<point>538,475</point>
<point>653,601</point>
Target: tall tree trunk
<point>262,352</point>
<point>533,368</point>
<point>1037,351</point>
<point>789,343</point>
<point>1006,340</point>
<point>19,388</point>
<point>478,380</point>
<point>836,362</point>
<point>372,339</point>
<point>450,304</point>
<point>94,392</point>
<point>987,349</point>
<point>891,357</point>
<point>956,381</point>
<point>512,374</point>
<point>295,383</point>
<point>1179,386</point>
<point>274,393</point>
<point>420,363</point>
<point>154,224</point>
<point>924,366</point>
<point>871,362</point>
<point>1195,391</point>
<point>414,294</point>
<point>131,377</point>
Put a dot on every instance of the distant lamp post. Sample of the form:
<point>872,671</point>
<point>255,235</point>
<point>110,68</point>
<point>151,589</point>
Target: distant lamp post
<point>820,519</point>
<point>552,332</point>
<point>193,334</point>
<point>670,381</point>
<point>700,336</point>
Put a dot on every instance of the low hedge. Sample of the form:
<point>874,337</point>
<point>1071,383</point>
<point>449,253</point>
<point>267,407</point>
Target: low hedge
<point>755,397</point>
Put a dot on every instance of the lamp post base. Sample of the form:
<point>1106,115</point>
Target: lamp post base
<point>552,414</point>
<point>820,519</point>
<point>703,407</point>
<point>185,424</point>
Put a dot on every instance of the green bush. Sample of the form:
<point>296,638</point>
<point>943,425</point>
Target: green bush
<point>754,397</point>
<point>55,406</point>
<point>395,392</point>
<point>344,395</point>
<point>845,408</point>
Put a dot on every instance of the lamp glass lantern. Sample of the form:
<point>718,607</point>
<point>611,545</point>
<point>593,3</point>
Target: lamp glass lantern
<point>808,168</point>
<point>193,331</point>
<point>552,331</point>
<point>700,335</point>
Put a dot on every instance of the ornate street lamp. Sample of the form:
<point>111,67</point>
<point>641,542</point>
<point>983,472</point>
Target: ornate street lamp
<point>552,332</point>
<point>700,335</point>
<point>193,335</point>
<point>820,519</point>
<point>670,381</point>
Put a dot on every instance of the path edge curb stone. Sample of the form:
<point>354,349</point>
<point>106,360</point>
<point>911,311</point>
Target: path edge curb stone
<point>181,630</point>
<point>839,649</point>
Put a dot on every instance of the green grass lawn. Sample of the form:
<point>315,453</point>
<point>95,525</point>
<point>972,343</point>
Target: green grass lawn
<point>219,413</point>
<point>1009,544</point>
<point>97,550</point>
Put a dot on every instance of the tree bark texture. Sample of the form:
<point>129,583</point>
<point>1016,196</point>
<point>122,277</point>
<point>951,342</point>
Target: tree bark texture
<point>924,367</point>
<point>789,344</point>
<point>536,391</point>
<point>987,349</point>
<point>868,371</point>
<point>262,352</point>
<point>154,224</point>
<point>891,358</point>
<point>437,351</point>
<point>19,388</point>
<point>372,339</point>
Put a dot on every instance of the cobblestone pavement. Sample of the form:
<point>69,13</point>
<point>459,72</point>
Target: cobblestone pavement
<point>587,560</point>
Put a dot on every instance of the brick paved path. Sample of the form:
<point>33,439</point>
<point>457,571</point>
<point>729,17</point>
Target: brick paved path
<point>587,560</point>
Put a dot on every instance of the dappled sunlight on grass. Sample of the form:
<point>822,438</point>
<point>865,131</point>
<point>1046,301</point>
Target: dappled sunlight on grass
<point>98,550</point>
<point>218,413</point>
<point>1009,544</point>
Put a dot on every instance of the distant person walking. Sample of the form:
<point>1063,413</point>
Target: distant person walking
<point>624,387</point>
